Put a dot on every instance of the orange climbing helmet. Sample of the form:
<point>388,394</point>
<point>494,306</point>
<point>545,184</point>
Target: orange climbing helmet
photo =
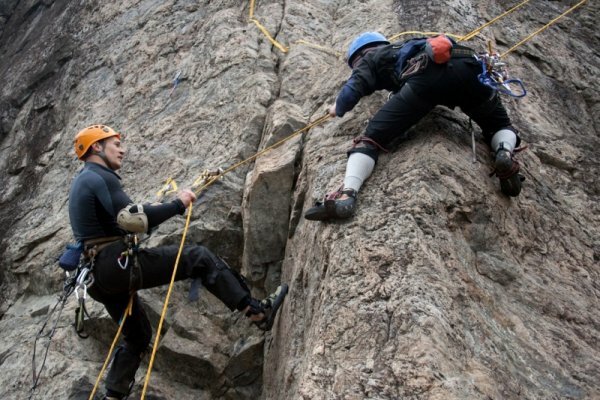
<point>90,135</point>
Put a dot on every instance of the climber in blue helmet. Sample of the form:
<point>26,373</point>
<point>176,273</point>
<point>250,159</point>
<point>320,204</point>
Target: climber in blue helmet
<point>421,73</point>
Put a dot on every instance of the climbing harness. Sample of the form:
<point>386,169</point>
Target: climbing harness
<point>494,73</point>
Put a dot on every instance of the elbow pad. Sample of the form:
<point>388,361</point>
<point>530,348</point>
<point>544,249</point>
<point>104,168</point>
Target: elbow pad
<point>136,221</point>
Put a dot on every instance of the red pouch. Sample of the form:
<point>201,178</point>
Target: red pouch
<point>439,49</point>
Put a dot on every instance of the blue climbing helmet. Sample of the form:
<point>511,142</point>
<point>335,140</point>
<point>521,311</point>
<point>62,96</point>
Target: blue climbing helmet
<point>365,39</point>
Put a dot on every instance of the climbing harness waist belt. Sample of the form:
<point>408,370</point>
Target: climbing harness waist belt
<point>459,51</point>
<point>417,64</point>
<point>96,245</point>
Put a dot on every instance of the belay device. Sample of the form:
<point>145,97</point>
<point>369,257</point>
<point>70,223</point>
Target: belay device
<point>495,75</point>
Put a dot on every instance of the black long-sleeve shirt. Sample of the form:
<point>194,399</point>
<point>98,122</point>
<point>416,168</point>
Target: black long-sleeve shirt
<point>95,199</point>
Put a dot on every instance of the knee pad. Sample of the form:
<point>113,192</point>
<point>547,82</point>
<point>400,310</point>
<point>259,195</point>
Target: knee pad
<point>506,138</point>
<point>494,138</point>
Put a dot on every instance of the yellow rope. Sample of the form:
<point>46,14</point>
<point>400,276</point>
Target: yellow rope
<point>319,47</point>
<point>255,156</point>
<point>474,33</point>
<point>543,28</point>
<point>397,35</point>
<point>268,35</point>
<point>164,310</point>
<point>251,14</point>
<point>112,346</point>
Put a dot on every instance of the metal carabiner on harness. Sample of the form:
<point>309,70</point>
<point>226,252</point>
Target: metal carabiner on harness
<point>123,265</point>
<point>84,280</point>
<point>495,75</point>
<point>132,242</point>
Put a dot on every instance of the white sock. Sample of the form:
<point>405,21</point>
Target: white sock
<point>504,137</point>
<point>358,169</point>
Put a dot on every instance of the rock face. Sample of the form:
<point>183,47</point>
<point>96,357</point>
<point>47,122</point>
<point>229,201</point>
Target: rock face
<point>439,288</point>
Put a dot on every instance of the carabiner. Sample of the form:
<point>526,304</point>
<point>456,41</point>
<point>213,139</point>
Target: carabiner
<point>123,266</point>
<point>520,87</point>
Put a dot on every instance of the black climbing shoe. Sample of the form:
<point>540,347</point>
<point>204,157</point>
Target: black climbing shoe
<point>332,207</point>
<point>507,170</point>
<point>270,306</point>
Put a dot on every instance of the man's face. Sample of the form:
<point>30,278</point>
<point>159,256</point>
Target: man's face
<point>114,151</point>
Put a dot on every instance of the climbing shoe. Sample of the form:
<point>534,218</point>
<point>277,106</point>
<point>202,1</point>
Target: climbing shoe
<point>332,207</point>
<point>270,306</point>
<point>506,168</point>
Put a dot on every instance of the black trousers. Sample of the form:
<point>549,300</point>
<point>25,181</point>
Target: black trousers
<point>452,84</point>
<point>111,287</point>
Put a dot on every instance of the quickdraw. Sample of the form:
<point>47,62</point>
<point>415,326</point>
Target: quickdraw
<point>169,187</point>
<point>208,175</point>
<point>495,75</point>
<point>176,81</point>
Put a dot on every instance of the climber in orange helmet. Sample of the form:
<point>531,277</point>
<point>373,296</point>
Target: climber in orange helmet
<point>107,222</point>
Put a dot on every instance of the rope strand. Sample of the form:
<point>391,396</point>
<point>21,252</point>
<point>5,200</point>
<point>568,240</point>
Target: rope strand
<point>255,156</point>
<point>552,22</point>
<point>167,298</point>
<point>112,346</point>
<point>474,33</point>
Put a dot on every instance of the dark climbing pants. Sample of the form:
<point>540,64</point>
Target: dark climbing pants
<point>452,84</point>
<point>111,287</point>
